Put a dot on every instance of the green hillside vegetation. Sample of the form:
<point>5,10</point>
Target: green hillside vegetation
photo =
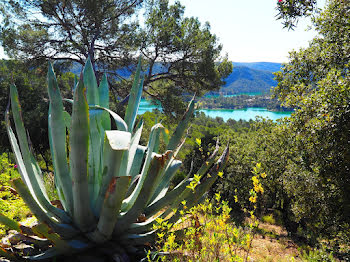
<point>242,101</point>
<point>264,66</point>
<point>245,79</point>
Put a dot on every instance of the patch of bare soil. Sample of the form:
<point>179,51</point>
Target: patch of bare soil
<point>272,243</point>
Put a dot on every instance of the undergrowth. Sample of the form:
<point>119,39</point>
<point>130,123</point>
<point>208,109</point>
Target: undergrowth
<point>209,233</point>
<point>11,205</point>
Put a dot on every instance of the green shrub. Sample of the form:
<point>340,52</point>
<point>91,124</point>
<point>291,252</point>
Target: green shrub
<point>318,255</point>
<point>209,235</point>
<point>269,219</point>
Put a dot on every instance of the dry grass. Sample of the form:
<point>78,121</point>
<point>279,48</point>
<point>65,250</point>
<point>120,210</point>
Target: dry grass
<point>273,244</point>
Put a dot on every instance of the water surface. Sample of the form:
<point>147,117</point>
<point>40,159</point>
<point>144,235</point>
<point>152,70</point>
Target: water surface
<point>236,114</point>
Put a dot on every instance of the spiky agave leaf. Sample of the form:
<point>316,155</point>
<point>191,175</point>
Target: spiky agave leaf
<point>58,120</point>
<point>79,144</point>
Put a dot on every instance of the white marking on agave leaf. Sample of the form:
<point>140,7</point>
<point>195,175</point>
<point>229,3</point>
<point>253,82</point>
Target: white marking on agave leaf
<point>118,140</point>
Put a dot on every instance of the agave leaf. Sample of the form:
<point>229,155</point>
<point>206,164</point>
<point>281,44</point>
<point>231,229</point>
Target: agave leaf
<point>9,223</point>
<point>15,148</point>
<point>127,203</point>
<point>209,162</point>
<point>44,230</point>
<point>74,246</point>
<point>137,161</point>
<point>50,253</point>
<point>169,198</point>
<point>134,99</point>
<point>205,183</point>
<point>143,227</point>
<point>112,203</point>
<point>163,185</point>
<point>104,102</point>
<point>115,145</point>
<point>57,135</point>
<point>168,173</point>
<point>133,213</point>
<point>79,144</point>
<point>28,175</point>
<point>134,146</point>
<point>96,129</point>
<point>180,129</point>
<point>118,140</point>
<point>183,194</point>
<point>139,239</point>
<point>132,185</point>
<point>120,123</point>
<point>79,244</point>
<point>90,84</point>
<point>40,213</point>
<point>37,181</point>
<point>125,162</point>
<point>96,136</point>
<point>57,181</point>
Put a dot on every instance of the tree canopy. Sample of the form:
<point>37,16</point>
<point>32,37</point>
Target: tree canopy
<point>180,56</point>
<point>316,81</point>
<point>71,30</point>
<point>290,11</point>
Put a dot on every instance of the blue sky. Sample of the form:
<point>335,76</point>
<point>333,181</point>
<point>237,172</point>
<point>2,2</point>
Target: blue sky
<point>248,30</point>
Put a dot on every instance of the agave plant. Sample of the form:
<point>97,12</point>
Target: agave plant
<point>112,189</point>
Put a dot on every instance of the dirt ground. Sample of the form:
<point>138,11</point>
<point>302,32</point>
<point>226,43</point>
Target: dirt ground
<point>273,244</point>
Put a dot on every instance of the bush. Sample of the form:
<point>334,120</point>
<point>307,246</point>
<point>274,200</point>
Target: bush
<point>318,255</point>
<point>209,235</point>
<point>269,219</point>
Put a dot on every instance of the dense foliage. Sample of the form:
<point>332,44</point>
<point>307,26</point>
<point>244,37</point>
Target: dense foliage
<point>316,80</point>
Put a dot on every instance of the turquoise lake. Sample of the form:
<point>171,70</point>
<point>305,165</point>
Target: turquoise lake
<point>236,114</point>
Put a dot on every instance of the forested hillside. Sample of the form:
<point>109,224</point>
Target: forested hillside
<point>264,66</point>
<point>245,79</point>
<point>256,77</point>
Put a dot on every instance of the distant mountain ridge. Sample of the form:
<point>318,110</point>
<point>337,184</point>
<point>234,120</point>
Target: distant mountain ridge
<point>264,66</point>
<point>256,77</point>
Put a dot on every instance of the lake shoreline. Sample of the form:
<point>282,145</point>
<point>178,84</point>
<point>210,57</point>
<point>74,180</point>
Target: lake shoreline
<point>244,113</point>
<point>242,108</point>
